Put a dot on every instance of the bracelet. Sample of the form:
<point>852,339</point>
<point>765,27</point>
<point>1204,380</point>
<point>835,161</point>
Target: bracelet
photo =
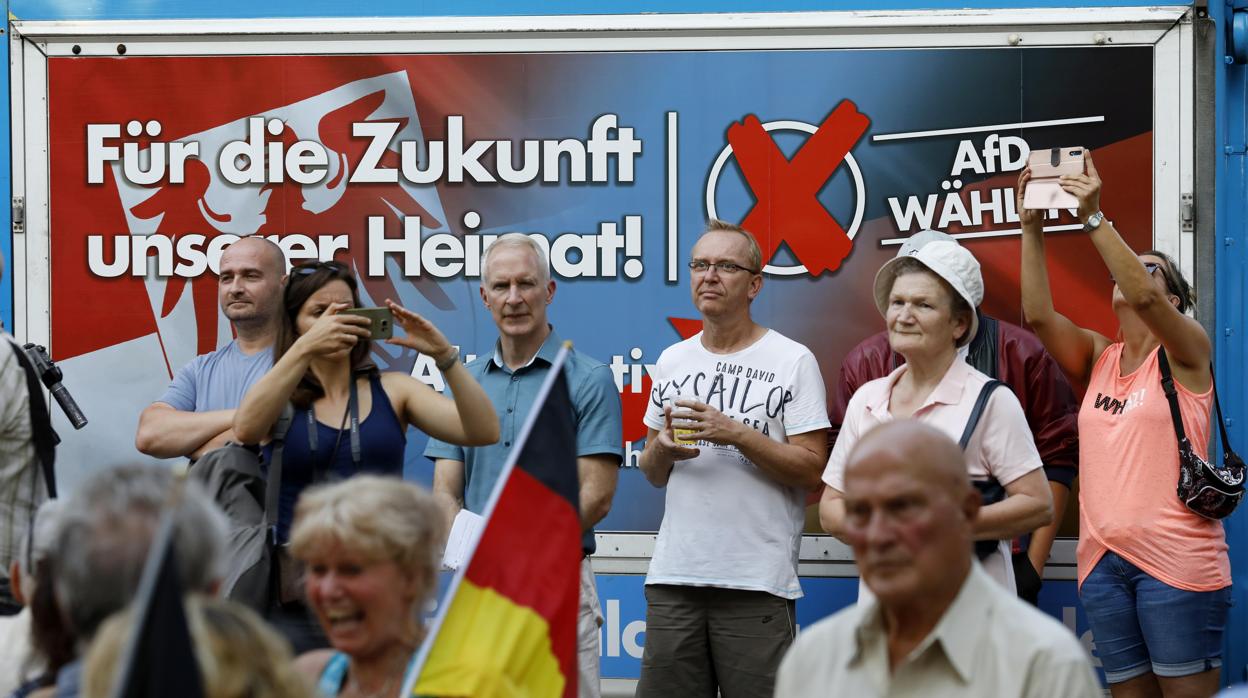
<point>446,364</point>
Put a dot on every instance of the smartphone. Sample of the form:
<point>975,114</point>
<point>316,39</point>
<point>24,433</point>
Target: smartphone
<point>1047,165</point>
<point>382,319</point>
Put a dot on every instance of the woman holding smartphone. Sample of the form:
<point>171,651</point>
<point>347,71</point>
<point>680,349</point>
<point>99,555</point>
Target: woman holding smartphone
<point>1154,577</point>
<point>349,417</point>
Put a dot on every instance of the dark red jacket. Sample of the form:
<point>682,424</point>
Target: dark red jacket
<point>1022,364</point>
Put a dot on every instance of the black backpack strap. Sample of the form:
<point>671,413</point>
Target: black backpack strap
<point>42,434</point>
<point>977,411</point>
<point>984,348</point>
<point>1172,397</point>
<point>273,487</point>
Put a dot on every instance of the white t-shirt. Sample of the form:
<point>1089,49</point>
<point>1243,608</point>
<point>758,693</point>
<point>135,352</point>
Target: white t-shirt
<point>727,523</point>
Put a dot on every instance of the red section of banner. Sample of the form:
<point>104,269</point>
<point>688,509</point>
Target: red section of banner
<point>91,313</point>
<point>686,327</point>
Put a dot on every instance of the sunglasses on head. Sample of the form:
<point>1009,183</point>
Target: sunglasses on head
<point>312,267</point>
<point>1149,267</point>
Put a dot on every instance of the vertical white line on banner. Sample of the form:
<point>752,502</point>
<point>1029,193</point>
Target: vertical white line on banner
<point>673,198</point>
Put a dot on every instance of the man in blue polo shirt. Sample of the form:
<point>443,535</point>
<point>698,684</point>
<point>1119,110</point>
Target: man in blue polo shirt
<point>516,287</point>
<point>196,413</point>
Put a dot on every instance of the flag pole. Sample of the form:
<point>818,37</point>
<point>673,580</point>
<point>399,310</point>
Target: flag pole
<point>160,548</point>
<point>422,654</point>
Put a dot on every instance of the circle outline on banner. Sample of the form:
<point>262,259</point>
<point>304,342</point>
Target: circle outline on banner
<point>860,189</point>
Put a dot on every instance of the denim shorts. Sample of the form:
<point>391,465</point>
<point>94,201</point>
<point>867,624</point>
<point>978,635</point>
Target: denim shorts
<point>1140,624</point>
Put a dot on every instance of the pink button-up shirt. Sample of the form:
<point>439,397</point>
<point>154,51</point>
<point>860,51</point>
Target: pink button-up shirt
<point>1001,447</point>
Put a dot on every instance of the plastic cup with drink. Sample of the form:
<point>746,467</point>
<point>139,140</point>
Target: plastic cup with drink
<point>680,432</point>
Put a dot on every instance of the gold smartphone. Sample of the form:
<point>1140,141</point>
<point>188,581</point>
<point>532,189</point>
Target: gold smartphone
<point>1043,189</point>
<point>382,319</point>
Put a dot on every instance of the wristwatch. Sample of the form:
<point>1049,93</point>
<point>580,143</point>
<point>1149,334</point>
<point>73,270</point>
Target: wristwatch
<point>1094,222</point>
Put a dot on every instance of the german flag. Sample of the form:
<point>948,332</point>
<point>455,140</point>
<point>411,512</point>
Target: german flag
<point>509,628</point>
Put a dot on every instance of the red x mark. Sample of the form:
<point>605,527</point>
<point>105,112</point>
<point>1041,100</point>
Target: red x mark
<point>788,208</point>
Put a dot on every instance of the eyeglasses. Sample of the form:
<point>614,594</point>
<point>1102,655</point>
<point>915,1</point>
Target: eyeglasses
<point>312,267</point>
<point>1149,267</point>
<point>701,266</point>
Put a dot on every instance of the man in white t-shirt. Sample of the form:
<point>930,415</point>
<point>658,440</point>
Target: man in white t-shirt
<point>747,405</point>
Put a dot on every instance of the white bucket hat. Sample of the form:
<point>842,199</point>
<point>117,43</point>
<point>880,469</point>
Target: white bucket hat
<point>915,242</point>
<point>945,258</point>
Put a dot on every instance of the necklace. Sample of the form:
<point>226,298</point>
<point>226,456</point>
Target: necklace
<point>354,687</point>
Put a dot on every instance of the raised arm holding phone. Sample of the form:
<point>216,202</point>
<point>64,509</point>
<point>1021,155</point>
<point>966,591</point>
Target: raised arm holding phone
<point>348,416</point>
<point>1154,577</point>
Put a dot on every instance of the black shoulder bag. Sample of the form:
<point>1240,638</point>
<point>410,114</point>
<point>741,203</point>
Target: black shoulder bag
<point>1210,490</point>
<point>990,490</point>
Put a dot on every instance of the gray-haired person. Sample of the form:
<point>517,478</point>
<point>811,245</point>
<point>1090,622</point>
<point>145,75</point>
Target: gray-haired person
<point>516,288</point>
<point>722,585</point>
<point>105,535</point>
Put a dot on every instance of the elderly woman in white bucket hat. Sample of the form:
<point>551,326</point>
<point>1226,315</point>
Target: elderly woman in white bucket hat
<point>928,295</point>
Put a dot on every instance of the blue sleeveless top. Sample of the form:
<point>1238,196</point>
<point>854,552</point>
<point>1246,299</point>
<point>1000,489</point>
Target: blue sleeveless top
<point>383,438</point>
<point>334,675</point>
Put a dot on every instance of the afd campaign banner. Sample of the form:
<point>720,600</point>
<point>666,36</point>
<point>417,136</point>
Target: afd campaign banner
<point>407,166</point>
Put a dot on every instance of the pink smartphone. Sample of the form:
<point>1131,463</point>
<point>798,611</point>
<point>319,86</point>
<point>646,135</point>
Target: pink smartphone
<point>1043,190</point>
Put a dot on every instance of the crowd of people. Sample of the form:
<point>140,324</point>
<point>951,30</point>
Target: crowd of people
<point>945,458</point>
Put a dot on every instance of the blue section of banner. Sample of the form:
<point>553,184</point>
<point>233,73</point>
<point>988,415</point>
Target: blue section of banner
<point>623,632</point>
<point>696,99</point>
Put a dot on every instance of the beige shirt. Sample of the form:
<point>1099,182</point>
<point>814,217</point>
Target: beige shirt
<point>988,643</point>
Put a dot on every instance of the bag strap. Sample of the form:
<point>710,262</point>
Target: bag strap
<point>42,433</point>
<point>978,411</point>
<point>1217,405</point>
<point>1172,397</point>
<point>1167,385</point>
<point>273,488</point>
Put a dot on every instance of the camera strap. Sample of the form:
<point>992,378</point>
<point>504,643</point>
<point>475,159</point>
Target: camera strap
<point>352,412</point>
<point>42,434</point>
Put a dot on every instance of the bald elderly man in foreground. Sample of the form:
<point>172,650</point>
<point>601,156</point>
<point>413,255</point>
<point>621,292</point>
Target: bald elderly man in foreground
<point>939,625</point>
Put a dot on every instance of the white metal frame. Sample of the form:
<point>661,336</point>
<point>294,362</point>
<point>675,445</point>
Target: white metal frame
<point>29,141</point>
<point>1166,28</point>
<point>857,29</point>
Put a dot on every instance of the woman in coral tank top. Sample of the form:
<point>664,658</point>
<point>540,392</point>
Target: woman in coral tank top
<point>1154,577</point>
